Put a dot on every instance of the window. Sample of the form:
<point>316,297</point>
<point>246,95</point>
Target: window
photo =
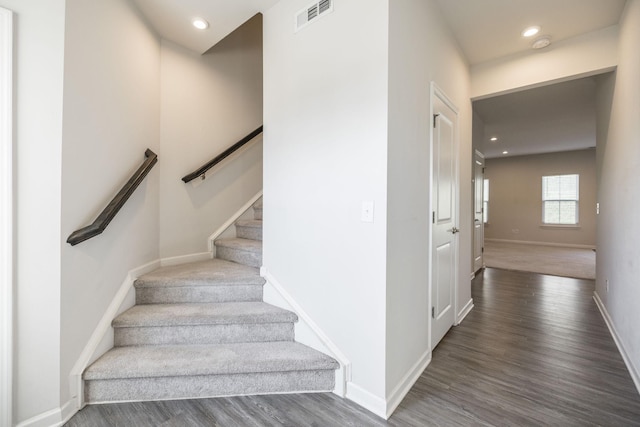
<point>485,201</point>
<point>560,199</point>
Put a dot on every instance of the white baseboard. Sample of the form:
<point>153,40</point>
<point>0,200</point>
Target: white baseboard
<point>401,390</point>
<point>97,340</point>
<point>307,331</point>
<point>54,418</point>
<point>616,338</point>
<point>231,221</point>
<point>466,310</point>
<point>184,259</point>
<point>527,242</point>
<point>367,400</point>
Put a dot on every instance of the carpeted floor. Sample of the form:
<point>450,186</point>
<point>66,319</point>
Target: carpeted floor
<point>557,261</point>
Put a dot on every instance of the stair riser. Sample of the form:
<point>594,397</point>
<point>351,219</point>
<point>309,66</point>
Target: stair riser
<point>198,294</point>
<point>252,259</point>
<point>252,233</point>
<point>204,334</point>
<point>164,388</point>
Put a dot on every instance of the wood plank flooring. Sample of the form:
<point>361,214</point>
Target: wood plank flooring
<point>534,351</point>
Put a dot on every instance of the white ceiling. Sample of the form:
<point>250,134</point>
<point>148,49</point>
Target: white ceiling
<point>559,117</point>
<point>555,118</point>
<point>172,19</point>
<point>490,29</point>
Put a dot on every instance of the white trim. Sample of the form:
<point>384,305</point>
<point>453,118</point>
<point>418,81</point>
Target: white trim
<point>635,376</point>
<point>526,242</point>
<point>367,400</point>
<point>6,216</point>
<point>401,390</point>
<point>465,311</point>
<point>231,221</point>
<point>185,259</point>
<point>100,333</point>
<point>54,418</point>
<point>307,331</point>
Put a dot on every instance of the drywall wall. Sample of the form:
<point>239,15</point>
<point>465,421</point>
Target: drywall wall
<point>208,103</point>
<point>619,193</point>
<point>587,54</point>
<point>325,152</point>
<point>412,68</point>
<point>38,76</point>
<point>111,116</point>
<point>515,197</point>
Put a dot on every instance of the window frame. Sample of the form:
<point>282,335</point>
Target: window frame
<point>560,200</point>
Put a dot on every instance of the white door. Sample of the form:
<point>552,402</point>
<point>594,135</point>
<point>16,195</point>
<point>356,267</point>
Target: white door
<point>478,223</point>
<point>444,247</point>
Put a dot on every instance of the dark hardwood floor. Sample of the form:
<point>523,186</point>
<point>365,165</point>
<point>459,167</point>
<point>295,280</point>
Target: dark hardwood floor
<point>534,351</point>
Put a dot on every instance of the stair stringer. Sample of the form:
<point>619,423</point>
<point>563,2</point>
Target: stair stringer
<point>307,332</point>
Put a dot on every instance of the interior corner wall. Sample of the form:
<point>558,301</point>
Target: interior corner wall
<point>412,67</point>
<point>325,152</point>
<point>581,56</point>
<point>37,113</point>
<point>111,116</point>
<point>515,197</point>
<point>208,102</point>
<point>619,196</point>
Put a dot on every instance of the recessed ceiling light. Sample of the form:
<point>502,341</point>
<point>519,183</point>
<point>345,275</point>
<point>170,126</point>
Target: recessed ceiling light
<point>505,152</point>
<point>530,31</point>
<point>494,138</point>
<point>200,23</point>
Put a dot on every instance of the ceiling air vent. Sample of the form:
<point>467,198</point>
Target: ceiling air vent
<point>312,12</point>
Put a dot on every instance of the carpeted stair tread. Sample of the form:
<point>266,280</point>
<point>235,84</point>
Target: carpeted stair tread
<point>242,251</point>
<point>249,229</point>
<point>253,223</point>
<point>247,245</point>
<point>213,272</point>
<point>202,314</point>
<point>196,360</point>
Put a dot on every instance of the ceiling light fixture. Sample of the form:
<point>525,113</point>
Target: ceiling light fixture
<point>530,31</point>
<point>541,42</point>
<point>200,23</point>
<point>505,152</point>
<point>494,138</point>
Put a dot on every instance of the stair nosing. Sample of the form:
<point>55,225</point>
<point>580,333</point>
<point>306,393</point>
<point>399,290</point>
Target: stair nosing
<point>271,314</point>
<point>211,363</point>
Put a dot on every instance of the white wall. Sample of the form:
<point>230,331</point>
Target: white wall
<point>515,197</point>
<point>39,43</point>
<point>412,66</point>
<point>111,116</point>
<point>325,151</point>
<point>209,102</point>
<point>584,55</point>
<point>619,195</point>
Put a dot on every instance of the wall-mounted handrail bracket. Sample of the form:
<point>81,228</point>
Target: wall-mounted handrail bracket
<point>202,170</point>
<point>114,206</point>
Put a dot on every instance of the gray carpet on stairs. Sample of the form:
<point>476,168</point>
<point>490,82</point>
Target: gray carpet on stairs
<point>202,330</point>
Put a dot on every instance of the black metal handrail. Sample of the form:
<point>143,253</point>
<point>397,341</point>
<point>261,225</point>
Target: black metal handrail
<point>116,204</point>
<point>202,170</point>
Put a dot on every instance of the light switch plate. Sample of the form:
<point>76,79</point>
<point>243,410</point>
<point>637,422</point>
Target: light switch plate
<point>367,211</point>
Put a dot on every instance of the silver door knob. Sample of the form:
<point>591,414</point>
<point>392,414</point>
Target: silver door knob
<point>454,230</point>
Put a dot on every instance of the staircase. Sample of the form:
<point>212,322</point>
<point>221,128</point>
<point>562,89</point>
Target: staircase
<point>201,330</point>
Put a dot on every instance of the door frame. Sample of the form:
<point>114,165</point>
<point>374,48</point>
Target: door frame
<point>435,91</point>
<point>6,216</point>
<point>477,153</point>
